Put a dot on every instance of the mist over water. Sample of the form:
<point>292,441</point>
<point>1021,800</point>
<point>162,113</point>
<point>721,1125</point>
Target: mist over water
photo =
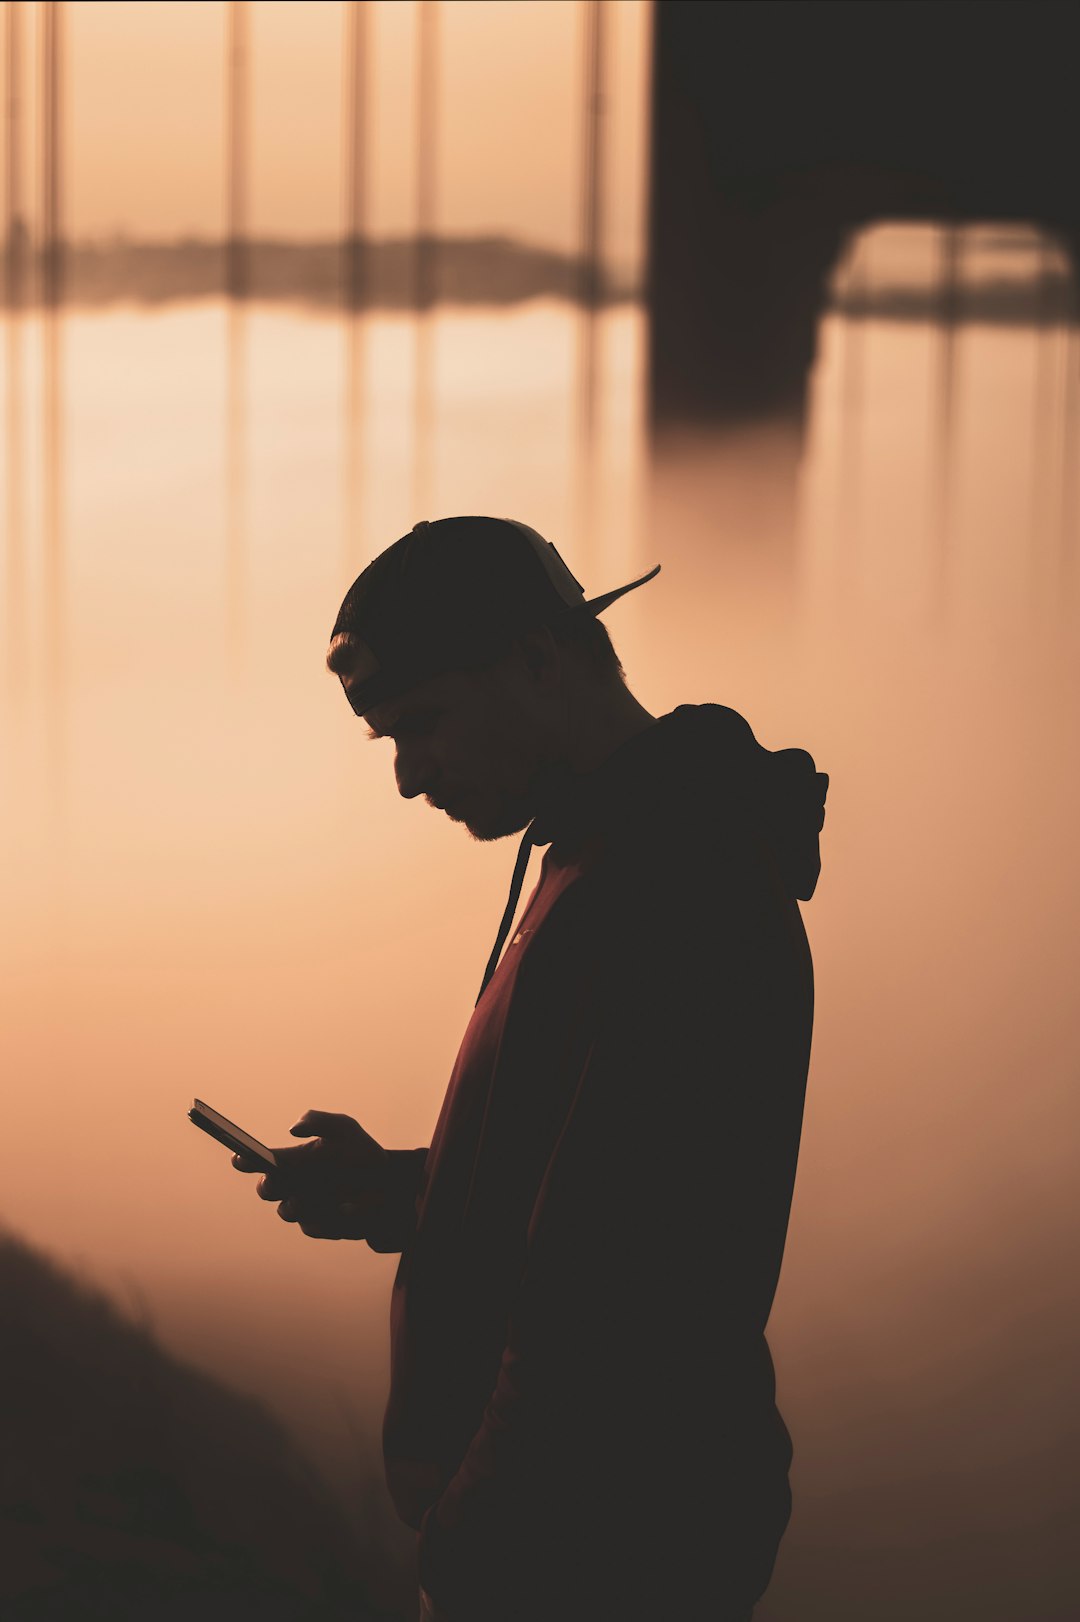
<point>211,886</point>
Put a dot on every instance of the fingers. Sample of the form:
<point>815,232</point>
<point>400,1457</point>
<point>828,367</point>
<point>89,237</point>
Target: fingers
<point>341,1220</point>
<point>290,1153</point>
<point>242,1163</point>
<point>304,1171</point>
<point>328,1186</point>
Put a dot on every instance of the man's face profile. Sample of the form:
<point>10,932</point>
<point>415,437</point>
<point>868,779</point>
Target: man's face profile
<point>472,743</point>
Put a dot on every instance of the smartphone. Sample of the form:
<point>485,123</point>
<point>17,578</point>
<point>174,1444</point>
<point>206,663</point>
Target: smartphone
<point>231,1136</point>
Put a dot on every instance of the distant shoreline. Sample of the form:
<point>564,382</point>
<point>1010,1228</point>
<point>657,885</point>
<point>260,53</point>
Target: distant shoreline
<point>1050,301</point>
<point>398,273</point>
<point>385,274</point>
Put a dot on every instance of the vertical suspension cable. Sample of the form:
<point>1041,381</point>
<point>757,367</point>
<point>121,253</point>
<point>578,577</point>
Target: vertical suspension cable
<point>237,283</point>
<point>590,286</point>
<point>52,289</point>
<point>426,252</point>
<point>354,289</point>
<point>14,280</point>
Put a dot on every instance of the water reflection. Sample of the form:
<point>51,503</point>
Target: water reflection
<point>249,905</point>
<point>943,392</point>
<point>13,482</point>
<point>943,417</point>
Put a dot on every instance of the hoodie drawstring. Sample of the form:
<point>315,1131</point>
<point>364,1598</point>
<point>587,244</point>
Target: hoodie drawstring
<point>524,852</point>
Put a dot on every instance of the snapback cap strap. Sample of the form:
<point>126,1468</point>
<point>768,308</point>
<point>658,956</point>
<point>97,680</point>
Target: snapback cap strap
<point>568,587</point>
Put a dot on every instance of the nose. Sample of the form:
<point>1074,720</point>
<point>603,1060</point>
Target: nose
<point>415,772</point>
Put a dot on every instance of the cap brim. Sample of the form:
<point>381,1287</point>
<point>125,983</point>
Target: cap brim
<point>596,605</point>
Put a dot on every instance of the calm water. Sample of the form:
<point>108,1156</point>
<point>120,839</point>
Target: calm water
<point>211,886</point>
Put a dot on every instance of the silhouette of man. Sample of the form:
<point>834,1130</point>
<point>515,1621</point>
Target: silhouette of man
<point>581,1421</point>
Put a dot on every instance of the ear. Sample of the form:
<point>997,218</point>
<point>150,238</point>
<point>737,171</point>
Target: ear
<point>540,654</point>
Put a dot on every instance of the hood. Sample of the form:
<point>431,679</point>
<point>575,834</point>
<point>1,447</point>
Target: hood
<point>698,761</point>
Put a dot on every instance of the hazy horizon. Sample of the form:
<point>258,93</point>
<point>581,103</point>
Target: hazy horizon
<point>500,68</point>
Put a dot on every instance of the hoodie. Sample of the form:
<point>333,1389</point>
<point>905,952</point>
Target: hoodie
<point>582,1417</point>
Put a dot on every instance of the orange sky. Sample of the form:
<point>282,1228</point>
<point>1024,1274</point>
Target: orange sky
<point>145,117</point>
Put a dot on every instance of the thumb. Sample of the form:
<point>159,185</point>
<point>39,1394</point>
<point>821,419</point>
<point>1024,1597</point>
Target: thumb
<point>318,1123</point>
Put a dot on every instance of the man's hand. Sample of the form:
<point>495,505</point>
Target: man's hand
<point>332,1186</point>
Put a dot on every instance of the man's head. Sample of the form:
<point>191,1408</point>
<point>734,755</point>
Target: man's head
<point>470,644</point>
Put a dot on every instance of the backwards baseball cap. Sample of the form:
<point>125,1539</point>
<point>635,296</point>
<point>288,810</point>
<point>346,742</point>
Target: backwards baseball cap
<point>451,595</point>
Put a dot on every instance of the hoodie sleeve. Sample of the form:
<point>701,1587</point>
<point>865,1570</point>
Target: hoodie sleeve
<point>397,1219</point>
<point>655,1241</point>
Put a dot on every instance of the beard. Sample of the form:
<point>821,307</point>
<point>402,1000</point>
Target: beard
<point>503,811</point>
<point>494,819</point>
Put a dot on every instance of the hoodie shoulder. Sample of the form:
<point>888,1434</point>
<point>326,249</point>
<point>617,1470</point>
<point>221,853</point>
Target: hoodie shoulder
<point>718,771</point>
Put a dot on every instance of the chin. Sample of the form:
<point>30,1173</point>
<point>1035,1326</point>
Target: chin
<point>494,822</point>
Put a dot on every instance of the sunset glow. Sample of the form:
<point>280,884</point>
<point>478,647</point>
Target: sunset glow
<point>209,888</point>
